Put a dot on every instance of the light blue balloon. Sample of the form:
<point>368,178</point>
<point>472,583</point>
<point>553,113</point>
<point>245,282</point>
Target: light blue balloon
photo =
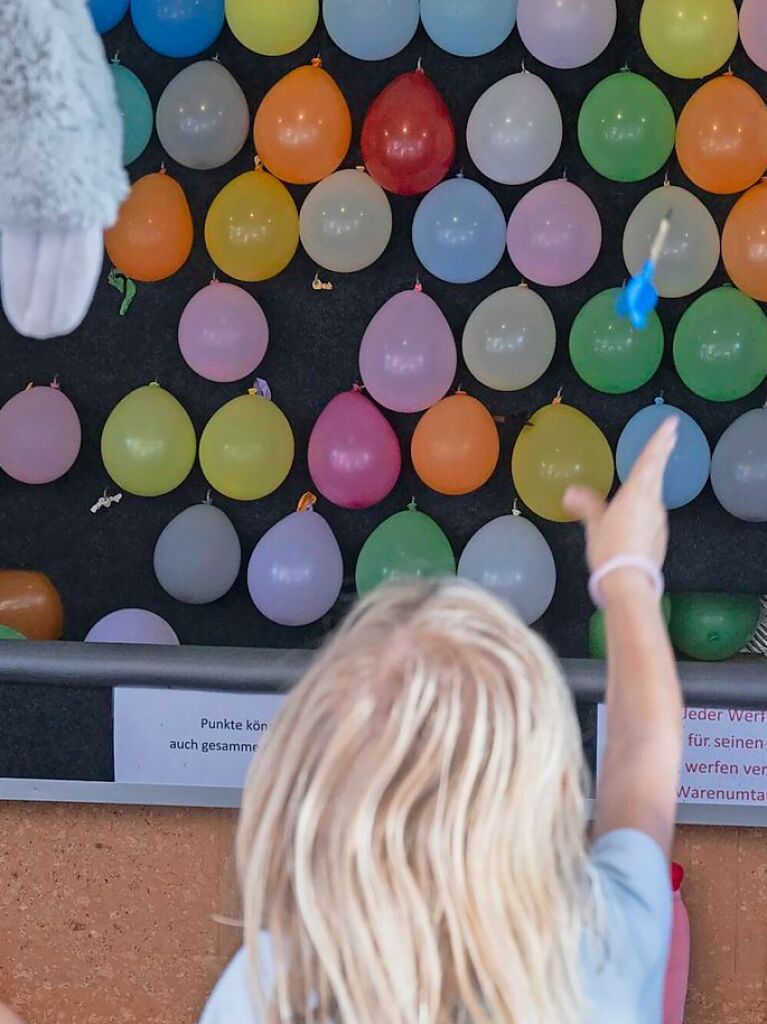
<point>178,28</point>
<point>107,13</point>
<point>371,29</point>
<point>136,109</point>
<point>690,463</point>
<point>459,231</point>
<point>469,28</point>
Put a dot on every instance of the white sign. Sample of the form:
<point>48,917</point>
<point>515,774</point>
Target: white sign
<point>189,737</point>
<point>725,756</point>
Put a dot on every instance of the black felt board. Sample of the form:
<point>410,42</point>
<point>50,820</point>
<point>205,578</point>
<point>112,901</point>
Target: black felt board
<point>104,561</point>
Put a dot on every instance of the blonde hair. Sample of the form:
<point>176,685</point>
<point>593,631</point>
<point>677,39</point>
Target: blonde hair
<point>412,835</point>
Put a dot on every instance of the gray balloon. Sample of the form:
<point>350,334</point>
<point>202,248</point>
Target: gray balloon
<point>739,467</point>
<point>197,556</point>
<point>202,117</point>
<point>511,558</point>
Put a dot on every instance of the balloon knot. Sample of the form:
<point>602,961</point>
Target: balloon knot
<point>154,384</point>
<point>626,66</point>
<point>214,279</point>
<point>162,168</point>
<point>322,286</point>
<point>660,400</point>
<point>358,388</point>
<point>666,180</point>
<point>419,66</point>
<point>729,73</point>
<point>412,506</point>
<point>418,287</point>
<point>29,386</point>
<point>557,400</point>
<point>306,502</point>
<point>258,163</point>
<point>55,383</point>
<point>260,388</point>
<point>523,284</point>
<point>116,58</point>
<point>515,509</point>
<point>316,61</point>
<point>208,500</point>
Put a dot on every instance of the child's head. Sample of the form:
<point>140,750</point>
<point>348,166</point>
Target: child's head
<point>412,834</point>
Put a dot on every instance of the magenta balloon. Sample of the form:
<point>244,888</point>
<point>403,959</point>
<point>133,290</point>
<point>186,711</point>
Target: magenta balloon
<point>223,333</point>
<point>753,31</point>
<point>39,435</point>
<point>408,354</point>
<point>354,455</point>
<point>554,234</point>
<point>131,626</point>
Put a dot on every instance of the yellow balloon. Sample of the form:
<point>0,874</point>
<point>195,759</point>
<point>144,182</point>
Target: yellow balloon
<point>148,443</point>
<point>272,27</point>
<point>558,449</point>
<point>247,448</point>
<point>251,229</point>
<point>689,38</point>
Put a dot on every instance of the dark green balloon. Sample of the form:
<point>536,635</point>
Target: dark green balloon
<point>405,545</point>
<point>597,637</point>
<point>720,345</point>
<point>712,627</point>
<point>6,633</point>
<point>626,127</point>
<point>608,353</point>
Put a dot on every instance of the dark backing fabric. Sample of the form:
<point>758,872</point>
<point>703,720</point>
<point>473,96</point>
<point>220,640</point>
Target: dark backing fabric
<point>104,561</point>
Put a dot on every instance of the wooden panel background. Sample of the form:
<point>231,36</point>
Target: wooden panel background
<point>107,914</point>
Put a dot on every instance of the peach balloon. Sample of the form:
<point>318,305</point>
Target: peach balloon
<point>153,235</point>
<point>455,445</point>
<point>303,127</point>
<point>744,243</point>
<point>721,138</point>
<point>31,604</point>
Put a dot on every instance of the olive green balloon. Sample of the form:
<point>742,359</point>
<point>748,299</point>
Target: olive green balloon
<point>626,127</point>
<point>720,345</point>
<point>712,627</point>
<point>608,353</point>
<point>405,545</point>
<point>597,636</point>
<point>6,633</point>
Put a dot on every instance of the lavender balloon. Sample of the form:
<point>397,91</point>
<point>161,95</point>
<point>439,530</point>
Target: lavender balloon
<point>566,35</point>
<point>197,556</point>
<point>554,234</point>
<point>296,570</point>
<point>223,333</point>
<point>39,435</point>
<point>408,355</point>
<point>753,31</point>
<point>131,626</point>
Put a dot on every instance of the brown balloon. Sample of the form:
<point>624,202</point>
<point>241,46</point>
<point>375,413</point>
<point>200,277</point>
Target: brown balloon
<point>30,603</point>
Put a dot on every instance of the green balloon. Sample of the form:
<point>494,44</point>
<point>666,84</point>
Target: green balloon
<point>607,352</point>
<point>6,633</point>
<point>405,545</point>
<point>713,627</point>
<point>720,345</point>
<point>626,127</point>
<point>597,637</point>
<point>136,109</point>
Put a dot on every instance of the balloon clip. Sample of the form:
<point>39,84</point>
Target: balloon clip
<point>106,501</point>
<point>412,505</point>
<point>515,509</point>
<point>322,286</point>
<point>215,57</point>
<point>208,499</point>
<point>260,388</point>
<point>557,399</point>
<point>125,286</point>
<point>625,65</point>
<point>316,62</point>
<point>306,502</point>
<point>524,69</point>
<point>666,179</point>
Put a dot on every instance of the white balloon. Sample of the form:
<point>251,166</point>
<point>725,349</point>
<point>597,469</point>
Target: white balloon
<point>346,222</point>
<point>514,132</point>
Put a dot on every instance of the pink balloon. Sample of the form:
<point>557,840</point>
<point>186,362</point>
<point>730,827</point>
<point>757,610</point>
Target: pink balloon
<point>554,234</point>
<point>354,455</point>
<point>408,355</point>
<point>223,333</point>
<point>753,31</point>
<point>566,35</point>
<point>39,435</point>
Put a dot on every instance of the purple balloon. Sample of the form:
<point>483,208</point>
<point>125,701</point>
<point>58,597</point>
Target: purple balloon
<point>223,333</point>
<point>354,455</point>
<point>296,571</point>
<point>554,234</point>
<point>131,626</point>
<point>39,435</point>
<point>566,35</point>
<point>753,31</point>
<point>408,355</point>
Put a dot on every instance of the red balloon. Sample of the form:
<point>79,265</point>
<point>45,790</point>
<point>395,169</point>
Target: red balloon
<point>408,138</point>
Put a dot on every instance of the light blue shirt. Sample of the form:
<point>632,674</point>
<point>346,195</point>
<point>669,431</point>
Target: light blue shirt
<point>623,971</point>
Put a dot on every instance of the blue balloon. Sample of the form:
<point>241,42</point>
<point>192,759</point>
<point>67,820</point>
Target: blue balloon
<point>690,463</point>
<point>136,110</point>
<point>459,231</point>
<point>469,28</point>
<point>107,13</point>
<point>371,29</point>
<point>178,28</point>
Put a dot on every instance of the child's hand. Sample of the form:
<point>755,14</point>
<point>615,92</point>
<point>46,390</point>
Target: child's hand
<point>7,1016</point>
<point>635,522</point>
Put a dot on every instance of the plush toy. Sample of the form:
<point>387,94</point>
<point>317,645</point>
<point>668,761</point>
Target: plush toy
<point>61,173</point>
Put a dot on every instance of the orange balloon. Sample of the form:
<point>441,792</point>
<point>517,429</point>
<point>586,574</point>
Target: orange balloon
<point>455,445</point>
<point>30,603</point>
<point>721,138</point>
<point>303,128</point>
<point>153,235</point>
<point>744,243</point>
